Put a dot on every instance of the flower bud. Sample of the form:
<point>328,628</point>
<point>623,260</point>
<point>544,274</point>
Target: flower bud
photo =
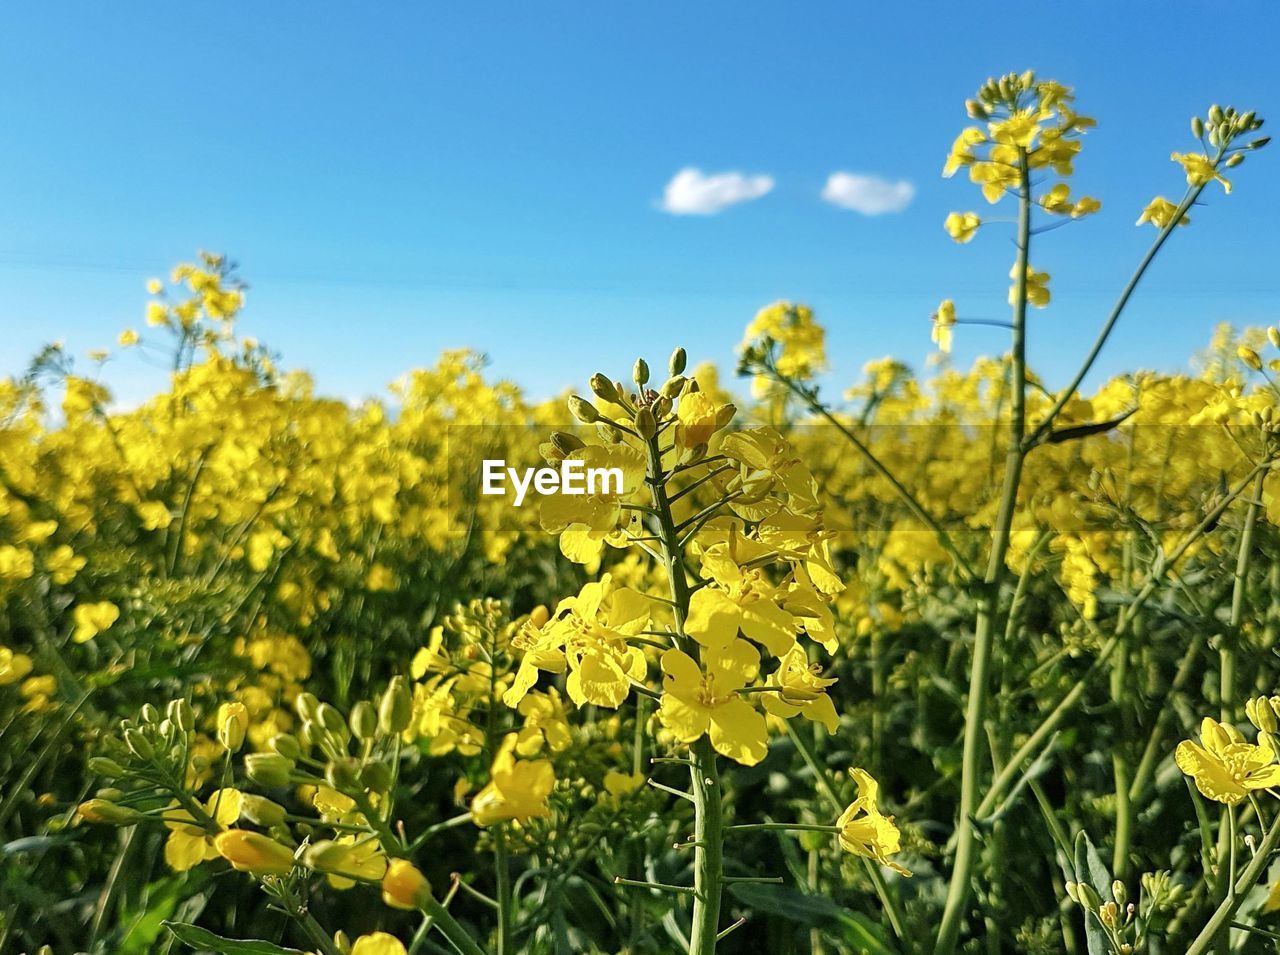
<point>1215,115</point>
<point>261,811</point>
<point>725,415</point>
<point>1118,892</point>
<point>608,433</point>
<point>364,721</point>
<point>138,744</point>
<point>269,769</point>
<point>333,722</point>
<point>640,372</point>
<point>1259,142</point>
<point>286,745</point>
<point>253,852</point>
<point>107,813</point>
<point>396,708</point>
<point>676,365</point>
<point>105,767</point>
<point>342,774</point>
<point>307,705</point>
<point>645,424</point>
<point>180,715</point>
<point>404,887</point>
<point>567,443</point>
<point>583,410</point>
<point>1197,127</point>
<point>149,714</point>
<point>233,723</point>
<point>603,388</point>
<point>672,387</point>
<point>1233,161</point>
<point>1249,357</point>
<point>1260,714</point>
<point>375,776</point>
<point>325,855</point>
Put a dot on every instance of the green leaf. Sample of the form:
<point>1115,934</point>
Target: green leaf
<point>205,940</point>
<point>861,933</point>
<point>1091,871</point>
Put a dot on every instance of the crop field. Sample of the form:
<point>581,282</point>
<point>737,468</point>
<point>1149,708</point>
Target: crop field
<point>690,659</point>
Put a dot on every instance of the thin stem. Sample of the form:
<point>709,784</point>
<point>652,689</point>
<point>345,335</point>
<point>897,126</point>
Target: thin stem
<point>984,631</point>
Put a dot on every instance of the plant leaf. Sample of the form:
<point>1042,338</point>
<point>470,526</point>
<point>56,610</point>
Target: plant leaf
<point>204,940</point>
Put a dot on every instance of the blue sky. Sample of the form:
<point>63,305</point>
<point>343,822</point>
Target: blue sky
<point>395,179</point>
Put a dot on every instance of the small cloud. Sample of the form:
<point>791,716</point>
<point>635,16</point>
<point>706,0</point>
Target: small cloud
<point>869,195</point>
<point>694,193</point>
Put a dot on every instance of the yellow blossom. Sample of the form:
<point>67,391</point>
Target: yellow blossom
<point>864,830</point>
<point>1226,768</point>
<point>91,619</point>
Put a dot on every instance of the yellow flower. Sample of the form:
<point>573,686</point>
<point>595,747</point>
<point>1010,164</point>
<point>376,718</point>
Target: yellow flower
<point>995,178</point>
<point>1020,129</point>
<point>944,319</point>
<point>92,619</point>
<point>696,419</point>
<point>404,887</point>
<point>16,563</point>
<point>864,830</point>
<point>961,226</point>
<point>154,286</point>
<point>962,150</point>
<point>157,314</point>
<point>155,515</point>
<point>618,784</point>
<point>695,701</point>
<point>1200,169</point>
<point>379,943</point>
<point>1226,768</point>
<point>1037,287</point>
<point>128,337</point>
<point>189,843</point>
<point>1159,212</point>
<point>517,789</point>
<point>63,564</point>
<point>802,690</point>
<point>253,852</point>
<point>13,666</point>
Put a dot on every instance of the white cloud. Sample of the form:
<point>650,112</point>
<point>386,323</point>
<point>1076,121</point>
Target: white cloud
<point>869,195</point>
<point>692,192</point>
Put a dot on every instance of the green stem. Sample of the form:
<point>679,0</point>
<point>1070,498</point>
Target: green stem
<point>503,865</point>
<point>1225,913</point>
<point>984,631</point>
<point>708,821</point>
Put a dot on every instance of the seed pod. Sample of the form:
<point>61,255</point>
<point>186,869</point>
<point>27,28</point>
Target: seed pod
<point>583,410</point>
<point>364,721</point>
<point>676,365</point>
<point>396,708</point>
<point>640,372</point>
<point>603,388</point>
